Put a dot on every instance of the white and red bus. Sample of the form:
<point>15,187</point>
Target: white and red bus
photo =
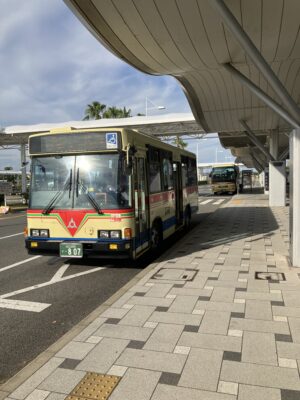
<point>106,192</point>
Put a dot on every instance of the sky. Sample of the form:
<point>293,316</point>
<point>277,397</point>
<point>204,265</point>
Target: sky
<point>52,67</point>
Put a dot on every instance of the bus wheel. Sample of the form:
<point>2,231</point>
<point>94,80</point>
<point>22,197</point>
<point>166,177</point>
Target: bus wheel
<point>156,236</point>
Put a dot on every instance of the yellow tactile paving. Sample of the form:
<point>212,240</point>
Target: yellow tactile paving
<point>94,386</point>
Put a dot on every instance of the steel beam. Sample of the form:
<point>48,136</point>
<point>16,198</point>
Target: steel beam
<point>284,154</point>
<point>249,133</point>
<point>23,167</point>
<point>257,59</point>
<point>262,168</point>
<point>261,95</point>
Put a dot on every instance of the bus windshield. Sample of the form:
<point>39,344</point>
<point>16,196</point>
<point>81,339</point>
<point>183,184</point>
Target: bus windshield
<point>223,174</point>
<point>93,176</point>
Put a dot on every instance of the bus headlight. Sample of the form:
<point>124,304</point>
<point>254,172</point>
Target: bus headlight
<point>39,232</point>
<point>44,232</point>
<point>115,234</point>
<point>103,234</point>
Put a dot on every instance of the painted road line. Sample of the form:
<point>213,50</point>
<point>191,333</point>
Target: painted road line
<point>4,217</point>
<point>219,201</point>
<point>207,201</point>
<point>23,305</point>
<point>15,234</point>
<point>56,279</point>
<point>19,263</point>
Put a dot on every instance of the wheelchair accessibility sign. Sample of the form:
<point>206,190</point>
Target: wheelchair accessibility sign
<point>111,140</point>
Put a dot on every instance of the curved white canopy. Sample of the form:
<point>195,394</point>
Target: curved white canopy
<point>192,41</point>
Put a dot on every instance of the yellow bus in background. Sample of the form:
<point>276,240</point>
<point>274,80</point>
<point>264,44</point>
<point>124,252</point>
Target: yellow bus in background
<point>106,192</point>
<point>225,178</point>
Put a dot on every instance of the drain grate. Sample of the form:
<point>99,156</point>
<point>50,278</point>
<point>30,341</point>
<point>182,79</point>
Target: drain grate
<point>270,276</point>
<point>94,387</point>
<point>175,274</point>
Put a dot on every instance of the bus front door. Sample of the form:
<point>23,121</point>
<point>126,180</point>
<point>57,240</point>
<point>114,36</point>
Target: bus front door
<point>141,207</point>
<point>178,193</point>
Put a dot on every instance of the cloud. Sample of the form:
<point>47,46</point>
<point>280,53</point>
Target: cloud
<point>52,67</point>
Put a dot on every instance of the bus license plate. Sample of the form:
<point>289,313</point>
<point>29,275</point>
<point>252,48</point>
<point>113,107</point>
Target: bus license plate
<point>70,250</point>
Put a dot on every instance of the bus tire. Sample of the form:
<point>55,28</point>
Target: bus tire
<point>156,236</point>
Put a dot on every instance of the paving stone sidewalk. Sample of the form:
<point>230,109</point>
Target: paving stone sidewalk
<point>217,319</point>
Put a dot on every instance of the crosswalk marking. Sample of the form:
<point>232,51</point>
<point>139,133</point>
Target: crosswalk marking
<point>207,201</point>
<point>219,201</point>
<point>215,202</point>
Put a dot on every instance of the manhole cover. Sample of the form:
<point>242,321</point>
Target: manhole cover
<point>175,274</point>
<point>270,276</point>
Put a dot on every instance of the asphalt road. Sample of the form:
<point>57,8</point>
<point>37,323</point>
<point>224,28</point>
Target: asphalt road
<point>41,298</point>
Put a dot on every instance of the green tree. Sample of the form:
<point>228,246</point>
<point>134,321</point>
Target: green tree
<point>179,142</point>
<point>95,110</point>
<point>126,113</point>
<point>115,112</point>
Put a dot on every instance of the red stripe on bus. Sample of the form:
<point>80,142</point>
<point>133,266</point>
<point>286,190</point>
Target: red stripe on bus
<point>164,196</point>
<point>92,211</point>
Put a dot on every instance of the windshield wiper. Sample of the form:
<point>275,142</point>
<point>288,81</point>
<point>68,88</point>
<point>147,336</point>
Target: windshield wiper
<point>67,185</point>
<point>91,199</point>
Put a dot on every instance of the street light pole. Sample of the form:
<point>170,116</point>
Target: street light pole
<point>152,108</point>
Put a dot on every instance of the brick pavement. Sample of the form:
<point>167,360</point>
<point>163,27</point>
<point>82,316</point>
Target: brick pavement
<point>198,325</point>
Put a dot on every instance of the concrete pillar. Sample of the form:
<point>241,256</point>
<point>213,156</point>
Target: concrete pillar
<point>294,178</point>
<point>277,175</point>
<point>23,167</point>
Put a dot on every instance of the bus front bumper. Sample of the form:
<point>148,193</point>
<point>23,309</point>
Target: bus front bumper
<point>122,249</point>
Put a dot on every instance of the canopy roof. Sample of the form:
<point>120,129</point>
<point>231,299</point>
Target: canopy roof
<point>160,125</point>
<point>193,41</point>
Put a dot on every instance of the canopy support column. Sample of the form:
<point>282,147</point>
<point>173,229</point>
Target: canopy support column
<point>23,167</point>
<point>295,197</point>
<point>277,175</point>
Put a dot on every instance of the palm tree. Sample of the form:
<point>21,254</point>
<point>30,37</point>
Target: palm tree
<point>114,112</point>
<point>179,143</point>
<point>95,110</point>
<point>126,113</point>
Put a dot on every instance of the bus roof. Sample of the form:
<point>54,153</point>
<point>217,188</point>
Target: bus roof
<point>135,135</point>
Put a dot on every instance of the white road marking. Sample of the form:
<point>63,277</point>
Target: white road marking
<point>219,201</point>
<point>55,279</point>
<point>16,234</point>
<point>207,201</point>
<point>23,305</point>
<point>19,263</point>
<point>5,218</point>
<point>59,274</point>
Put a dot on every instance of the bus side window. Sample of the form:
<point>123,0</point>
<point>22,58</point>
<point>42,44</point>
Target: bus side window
<point>184,171</point>
<point>154,170</point>
<point>167,171</point>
